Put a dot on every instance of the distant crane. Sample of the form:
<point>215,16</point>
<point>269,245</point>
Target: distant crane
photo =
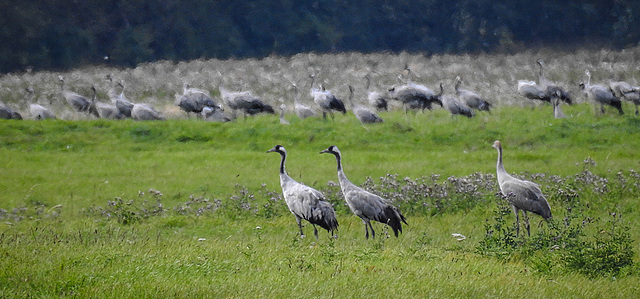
<point>76,101</point>
<point>193,100</point>
<point>214,113</point>
<point>362,113</point>
<point>7,113</point>
<point>37,111</point>
<point>624,90</point>
<point>376,99</point>
<point>305,202</point>
<point>142,111</point>
<point>302,111</point>
<point>523,195</point>
<point>470,98</point>
<point>600,95</point>
<point>124,106</point>
<point>245,102</point>
<point>415,96</point>
<point>454,106</point>
<point>365,204</point>
<point>326,100</point>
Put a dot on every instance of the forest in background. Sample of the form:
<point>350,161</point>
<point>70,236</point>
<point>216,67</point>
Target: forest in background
<point>57,35</point>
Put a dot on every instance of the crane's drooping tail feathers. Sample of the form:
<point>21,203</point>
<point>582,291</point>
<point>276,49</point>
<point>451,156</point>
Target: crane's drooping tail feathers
<point>327,217</point>
<point>394,219</point>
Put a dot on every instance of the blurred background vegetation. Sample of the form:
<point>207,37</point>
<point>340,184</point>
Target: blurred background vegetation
<point>55,35</point>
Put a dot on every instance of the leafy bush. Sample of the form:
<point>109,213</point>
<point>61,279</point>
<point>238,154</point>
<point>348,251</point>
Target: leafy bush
<point>576,243</point>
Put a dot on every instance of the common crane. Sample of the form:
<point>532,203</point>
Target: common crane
<point>326,100</point>
<point>365,204</point>
<point>523,195</point>
<point>600,95</point>
<point>470,98</point>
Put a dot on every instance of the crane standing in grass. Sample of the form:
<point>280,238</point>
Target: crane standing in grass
<point>326,100</point>
<point>365,204</point>
<point>305,202</point>
<point>600,95</point>
<point>523,195</point>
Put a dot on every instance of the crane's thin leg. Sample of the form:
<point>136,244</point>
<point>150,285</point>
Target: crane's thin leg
<point>373,232</point>
<point>366,229</point>
<point>636,110</point>
<point>526,222</point>
<point>315,231</point>
<point>299,220</point>
<point>515,211</point>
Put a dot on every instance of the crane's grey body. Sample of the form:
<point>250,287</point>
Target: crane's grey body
<point>553,91</point>
<point>77,102</point>
<point>214,114</point>
<point>624,90</point>
<point>39,112</point>
<point>470,98</point>
<point>415,96</point>
<point>142,111</point>
<point>544,90</point>
<point>7,113</point>
<point>523,195</point>
<point>108,111</point>
<point>454,106</point>
<point>365,204</point>
<point>326,100</point>
<point>193,100</point>
<point>362,113</point>
<point>302,111</point>
<point>123,105</point>
<point>305,202</point>
<point>245,102</point>
<point>601,95</point>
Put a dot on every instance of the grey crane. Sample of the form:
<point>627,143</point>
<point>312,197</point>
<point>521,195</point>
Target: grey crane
<point>454,106</point>
<point>124,106</point>
<point>302,111</point>
<point>523,195</point>
<point>470,98</point>
<point>376,99</point>
<point>365,204</point>
<point>326,100</point>
<point>104,110</point>
<point>214,113</point>
<point>193,100</point>
<point>245,102</point>
<point>415,96</point>
<point>142,111</point>
<point>362,113</point>
<point>600,95</point>
<point>552,89</point>
<point>557,105</point>
<point>76,101</point>
<point>624,90</point>
<point>283,121</point>
<point>544,90</point>
<point>305,202</point>
<point>37,111</point>
<point>7,113</point>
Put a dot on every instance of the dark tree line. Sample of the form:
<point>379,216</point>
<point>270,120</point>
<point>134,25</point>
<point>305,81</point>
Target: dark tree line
<point>59,34</point>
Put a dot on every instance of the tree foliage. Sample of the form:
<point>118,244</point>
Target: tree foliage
<point>53,34</point>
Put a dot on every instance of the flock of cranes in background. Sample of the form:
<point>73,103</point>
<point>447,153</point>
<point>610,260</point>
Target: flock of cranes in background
<point>410,95</point>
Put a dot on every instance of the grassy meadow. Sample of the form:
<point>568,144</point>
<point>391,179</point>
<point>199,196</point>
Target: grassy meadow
<point>186,208</point>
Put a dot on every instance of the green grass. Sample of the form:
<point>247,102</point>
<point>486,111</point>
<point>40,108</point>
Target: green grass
<point>69,250</point>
